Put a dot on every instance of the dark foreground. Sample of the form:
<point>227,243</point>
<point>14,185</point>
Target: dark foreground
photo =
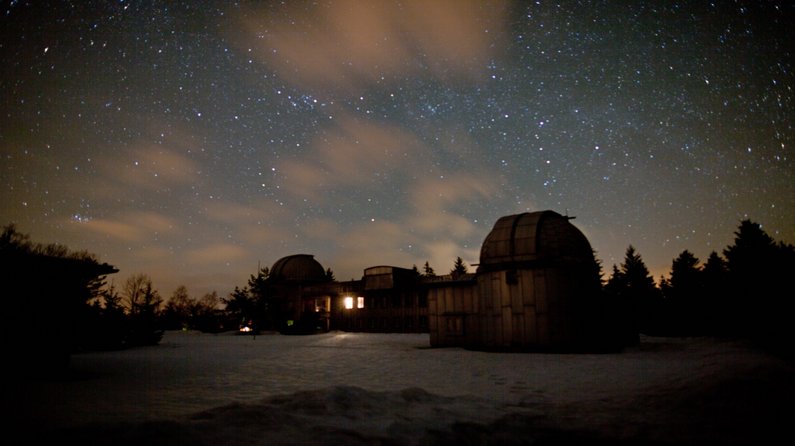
<point>681,392</point>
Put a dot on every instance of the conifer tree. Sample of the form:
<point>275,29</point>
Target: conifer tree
<point>684,305</point>
<point>760,272</point>
<point>685,275</point>
<point>428,271</point>
<point>634,295</point>
<point>459,268</point>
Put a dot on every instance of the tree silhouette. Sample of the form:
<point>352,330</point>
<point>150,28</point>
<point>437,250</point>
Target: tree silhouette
<point>241,306</point>
<point>107,327</point>
<point>253,305</point>
<point>178,309</point>
<point>632,292</point>
<point>142,304</point>
<point>459,268</point>
<point>715,277</point>
<point>685,275</point>
<point>428,271</point>
<point>760,272</point>
<point>139,297</point>
<point>684,309</point>
<point>752,252</point>
<point>615,283</point>
<point>48,289</point>
<point>204,314</point>
<point>598,270</point>
<point>207,315</point>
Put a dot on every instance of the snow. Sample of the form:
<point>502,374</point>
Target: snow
<point>356,388</point>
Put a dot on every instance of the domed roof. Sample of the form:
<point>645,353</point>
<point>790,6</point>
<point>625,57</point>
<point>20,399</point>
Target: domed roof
<point>531,238</point>
<point>298,267</point>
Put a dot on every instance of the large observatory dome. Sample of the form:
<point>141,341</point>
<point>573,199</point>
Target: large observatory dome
<point>533,239</point>
<point>298,268</point>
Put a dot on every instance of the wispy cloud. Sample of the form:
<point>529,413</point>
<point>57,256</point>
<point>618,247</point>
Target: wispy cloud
<point>216,254</point>
<point>113,229</point>
<point>351,153</point>
<point>130,227</point>
<point>343,45</point>
<point>154,167</point>
<point>438,202</point>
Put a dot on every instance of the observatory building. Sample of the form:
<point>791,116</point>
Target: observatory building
<point>536,288</point>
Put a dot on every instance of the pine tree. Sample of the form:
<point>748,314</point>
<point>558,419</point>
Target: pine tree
<point>634,295</point>
<point>428,271</point>
<point>459,268</point>
<point>685,275</point>
<point>241,306</point>
<point>598,271</point>
<point>636,275</point>
<point>714,269</point>
<point>760,272</point>
<point>684,305</point>
<point>615,283</point>
<point>258,284</point>
<point>265,308</point>
<point>752,252</point>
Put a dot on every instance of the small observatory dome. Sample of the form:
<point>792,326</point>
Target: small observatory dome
<point>533,238</point>
<point>298,268</point>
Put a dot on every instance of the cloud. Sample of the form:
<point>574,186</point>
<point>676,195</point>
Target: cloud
<point>377,242</point>
<point>155,167</point>
<point>130,227</point>
<point>351,153</point>
<point>216,253</point>
<point>114,229</point>
<point>232,212</point>
<point>256,224</point>
<point>154,222</point>
<point>442,255</point>
<point>343,45</point>
<point>440,202</point>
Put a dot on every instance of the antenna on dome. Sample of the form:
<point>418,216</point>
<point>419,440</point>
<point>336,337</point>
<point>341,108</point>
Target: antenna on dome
<point>567,215</point>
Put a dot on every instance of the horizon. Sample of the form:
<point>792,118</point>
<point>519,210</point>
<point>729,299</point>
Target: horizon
<point>664,273</point>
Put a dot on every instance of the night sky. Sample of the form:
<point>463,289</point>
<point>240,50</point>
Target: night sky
<point>193,141</point>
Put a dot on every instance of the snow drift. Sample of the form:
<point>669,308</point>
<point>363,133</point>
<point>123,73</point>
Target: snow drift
<point>345,388</point>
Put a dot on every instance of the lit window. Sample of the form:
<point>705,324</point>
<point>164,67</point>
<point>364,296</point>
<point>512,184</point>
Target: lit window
<point>348,303</point>
<point>359,302</point>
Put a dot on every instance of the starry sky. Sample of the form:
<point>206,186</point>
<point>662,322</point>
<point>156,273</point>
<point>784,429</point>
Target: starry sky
<point>195,141</point>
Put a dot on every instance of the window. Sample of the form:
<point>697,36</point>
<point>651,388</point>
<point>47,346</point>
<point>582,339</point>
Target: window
<point>349,301</point>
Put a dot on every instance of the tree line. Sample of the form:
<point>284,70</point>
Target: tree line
<point>746,291</point>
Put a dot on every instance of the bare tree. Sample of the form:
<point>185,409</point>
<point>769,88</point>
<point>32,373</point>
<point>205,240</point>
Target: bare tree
<point>139,297</point>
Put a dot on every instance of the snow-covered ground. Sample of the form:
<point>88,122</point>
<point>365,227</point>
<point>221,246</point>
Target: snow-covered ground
<point>355,388</point>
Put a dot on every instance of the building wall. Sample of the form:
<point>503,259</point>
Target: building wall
<point>538,308</point>
<point>393,302</point>
<point>453,313</point>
